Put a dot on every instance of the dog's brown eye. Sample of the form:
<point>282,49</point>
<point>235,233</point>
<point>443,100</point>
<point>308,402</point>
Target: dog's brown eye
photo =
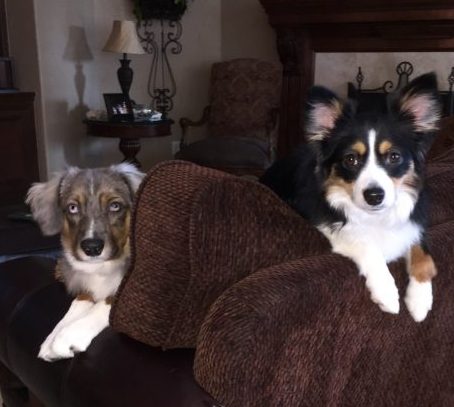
<point>73,208</point>
<point>351,160</point>
<point>114,206</point>
<point>394,157</point>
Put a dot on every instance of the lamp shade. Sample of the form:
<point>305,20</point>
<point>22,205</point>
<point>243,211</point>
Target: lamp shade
<point>123,38</point>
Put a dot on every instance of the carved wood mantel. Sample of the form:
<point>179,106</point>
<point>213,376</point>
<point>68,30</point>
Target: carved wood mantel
<point>305,27</point>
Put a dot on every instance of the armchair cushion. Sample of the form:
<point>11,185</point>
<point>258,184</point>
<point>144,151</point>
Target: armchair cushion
<point>242,152</point>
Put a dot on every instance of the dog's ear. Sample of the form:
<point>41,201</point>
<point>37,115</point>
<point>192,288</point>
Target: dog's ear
<point>131,174</point>
<point>43,198</point>
<point>323,109</point>
<point>419,102</point>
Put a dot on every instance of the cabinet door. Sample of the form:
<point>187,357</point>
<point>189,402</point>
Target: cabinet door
<point>18,152</point>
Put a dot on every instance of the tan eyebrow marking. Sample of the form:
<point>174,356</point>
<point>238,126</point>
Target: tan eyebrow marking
<point>359,147</point>
<point>384,146</point>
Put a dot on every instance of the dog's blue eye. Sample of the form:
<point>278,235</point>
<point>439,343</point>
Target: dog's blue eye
<point>114,207</point>
<point>73,208</point>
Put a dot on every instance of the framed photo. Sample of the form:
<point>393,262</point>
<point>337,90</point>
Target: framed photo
<point>119,107</point>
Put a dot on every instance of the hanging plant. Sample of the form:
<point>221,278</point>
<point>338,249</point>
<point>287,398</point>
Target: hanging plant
<point>159,9</point>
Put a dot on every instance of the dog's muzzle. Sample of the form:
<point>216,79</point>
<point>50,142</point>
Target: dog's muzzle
<point>92,247</point>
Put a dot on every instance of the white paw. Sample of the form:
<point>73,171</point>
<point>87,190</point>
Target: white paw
<point>74,333</point>
<point>46,345</point>
<point>419,299</point>
<point>71,339</point>
<point>76,311</point>
<point>45,351</point>
<point>48,353</point>
<point>384,292</point>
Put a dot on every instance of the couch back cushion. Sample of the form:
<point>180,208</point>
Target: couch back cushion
<point>195,232</point>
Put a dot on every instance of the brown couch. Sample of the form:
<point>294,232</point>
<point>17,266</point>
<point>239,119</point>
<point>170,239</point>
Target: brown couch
<point>221,265</point>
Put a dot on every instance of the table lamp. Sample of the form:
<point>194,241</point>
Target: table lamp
<point>123,39</point>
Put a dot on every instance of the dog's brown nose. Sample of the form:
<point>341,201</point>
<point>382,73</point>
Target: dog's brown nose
<point>92,247</point>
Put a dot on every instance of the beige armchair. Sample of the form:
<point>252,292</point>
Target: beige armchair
<point>241,118</point>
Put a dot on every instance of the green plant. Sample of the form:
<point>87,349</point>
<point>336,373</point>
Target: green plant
<point>159,9</point>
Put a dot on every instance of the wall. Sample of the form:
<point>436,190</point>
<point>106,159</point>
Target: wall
<point>70,73</point>
<point>334,70</point>
<point>246,32</point>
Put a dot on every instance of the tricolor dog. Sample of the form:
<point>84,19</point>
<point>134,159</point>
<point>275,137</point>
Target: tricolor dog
<point>360,181</point>
<point>91,210</point>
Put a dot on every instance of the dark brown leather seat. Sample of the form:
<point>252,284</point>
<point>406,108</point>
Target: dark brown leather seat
<point>115,371</point>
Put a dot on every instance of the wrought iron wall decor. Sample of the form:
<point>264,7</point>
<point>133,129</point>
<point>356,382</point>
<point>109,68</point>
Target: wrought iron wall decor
<point>161,38</point>
<point>159,30</point>
<point>404,70</point>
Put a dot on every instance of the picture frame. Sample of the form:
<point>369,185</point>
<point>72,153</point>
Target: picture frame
<point>119,107</point>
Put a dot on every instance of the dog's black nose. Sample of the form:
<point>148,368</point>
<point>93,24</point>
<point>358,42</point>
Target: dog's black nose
<point>92,247</point>
<point>374,196</point>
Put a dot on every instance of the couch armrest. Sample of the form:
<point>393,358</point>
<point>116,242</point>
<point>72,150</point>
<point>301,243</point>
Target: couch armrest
<point>306,333</point>
<point>185,123</point>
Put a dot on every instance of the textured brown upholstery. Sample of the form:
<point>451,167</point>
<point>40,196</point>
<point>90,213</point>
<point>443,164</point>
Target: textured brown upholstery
<point>241,118</point>
<point>243,92</point>
<point>197,231</point>
<point>221,264</point>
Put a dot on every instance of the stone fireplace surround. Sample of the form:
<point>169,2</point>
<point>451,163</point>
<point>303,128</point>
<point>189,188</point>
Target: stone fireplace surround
<point>306,27</point>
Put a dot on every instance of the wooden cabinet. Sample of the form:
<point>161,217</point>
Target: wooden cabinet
<point>18,150</point>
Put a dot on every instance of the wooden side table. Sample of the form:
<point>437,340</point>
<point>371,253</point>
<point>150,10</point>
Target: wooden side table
<point>129,134</point>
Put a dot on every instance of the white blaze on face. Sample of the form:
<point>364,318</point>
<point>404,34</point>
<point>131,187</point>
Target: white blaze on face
<point>372,175</point>
<point>90,234</point>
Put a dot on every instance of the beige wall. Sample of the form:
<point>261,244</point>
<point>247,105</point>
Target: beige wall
<point>70,79</point>
<point>334,70</point>
<point>246,32</point>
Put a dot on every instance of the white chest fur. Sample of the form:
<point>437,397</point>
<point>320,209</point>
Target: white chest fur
<point>392,241</point>
<point>389,232</point>
<point>100,279</point>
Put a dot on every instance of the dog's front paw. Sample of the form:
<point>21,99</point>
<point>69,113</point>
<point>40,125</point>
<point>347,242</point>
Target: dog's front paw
<point>46,351</point>
<point>60,345</point>
<point>50,353</point>
<point>419,299</point>
<point>384,292</point>
<point>72,339</point>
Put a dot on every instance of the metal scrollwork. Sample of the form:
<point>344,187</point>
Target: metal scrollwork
<point>451,79</point>
<point>161,82</point>
<point>359,78</point>
<point>387,86</point>
<point>404,70</point>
